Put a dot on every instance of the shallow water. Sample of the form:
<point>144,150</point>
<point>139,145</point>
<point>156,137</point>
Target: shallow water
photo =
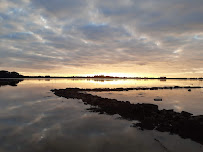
<point>33,119</point>
<point>177,99</point>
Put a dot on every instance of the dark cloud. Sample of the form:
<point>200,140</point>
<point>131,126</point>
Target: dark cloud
<point>18,36</point>
<point>156,15</point>
<point>62,8</point>
<point>102,32</point>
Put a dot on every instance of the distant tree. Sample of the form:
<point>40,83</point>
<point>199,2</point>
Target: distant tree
<point>7,74</point>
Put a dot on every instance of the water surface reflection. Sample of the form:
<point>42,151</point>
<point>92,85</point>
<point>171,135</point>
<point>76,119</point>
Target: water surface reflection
<point>33,119</point>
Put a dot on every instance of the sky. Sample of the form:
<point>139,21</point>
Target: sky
<point>112,37</point>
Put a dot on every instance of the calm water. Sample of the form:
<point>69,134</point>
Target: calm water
<point>33,119</point>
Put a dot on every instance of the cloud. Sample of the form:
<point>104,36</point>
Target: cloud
<point>102,32</point>
<point>81,34</point>
<point>62,8</point>
<point>19,36</point>
<point>156,15</point>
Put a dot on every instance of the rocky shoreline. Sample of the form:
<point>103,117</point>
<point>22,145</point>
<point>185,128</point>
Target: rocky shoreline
<point>139,88</point>
<point>149,116</point>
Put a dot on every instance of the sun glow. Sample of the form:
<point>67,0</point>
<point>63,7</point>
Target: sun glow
<point>114,74</point>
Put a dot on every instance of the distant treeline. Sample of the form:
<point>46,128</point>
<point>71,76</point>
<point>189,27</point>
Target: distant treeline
<point>7,74</point>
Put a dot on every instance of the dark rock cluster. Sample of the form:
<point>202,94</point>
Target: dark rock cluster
<point>149,116</point>
<point>139,88</point>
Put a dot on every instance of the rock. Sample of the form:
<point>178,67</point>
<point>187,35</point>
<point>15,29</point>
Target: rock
<point>158,99</point>
<point>186,114</point>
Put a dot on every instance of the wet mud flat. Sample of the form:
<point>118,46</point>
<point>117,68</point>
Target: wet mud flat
<point>149,116</point>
